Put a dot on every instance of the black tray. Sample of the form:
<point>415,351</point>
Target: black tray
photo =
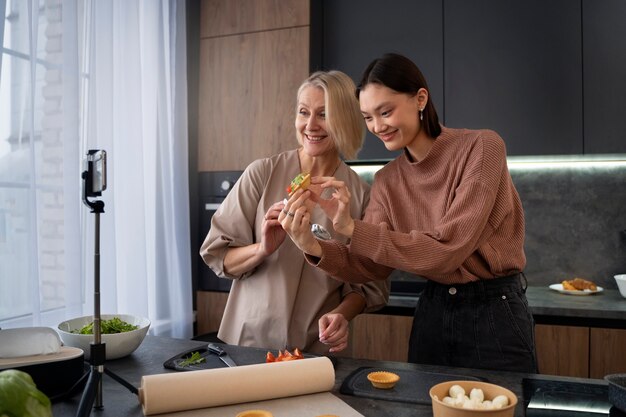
<point>413,386</point>
<point>211,360</point>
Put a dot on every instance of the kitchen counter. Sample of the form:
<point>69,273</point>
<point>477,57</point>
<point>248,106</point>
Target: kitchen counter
<point>605,309</point>
<point>149,357</point>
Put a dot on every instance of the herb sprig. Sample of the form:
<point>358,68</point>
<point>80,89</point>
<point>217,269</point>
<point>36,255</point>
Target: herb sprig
<point>194,359</point>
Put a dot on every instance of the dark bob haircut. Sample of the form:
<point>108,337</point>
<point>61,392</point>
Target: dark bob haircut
<point>400,74</point>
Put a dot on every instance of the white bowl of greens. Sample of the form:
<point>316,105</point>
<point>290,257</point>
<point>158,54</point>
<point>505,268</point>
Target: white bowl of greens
<point>121,333</point>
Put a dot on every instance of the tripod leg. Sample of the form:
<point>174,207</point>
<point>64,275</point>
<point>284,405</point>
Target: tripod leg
<point>122,381</point>
<point>89,393</point>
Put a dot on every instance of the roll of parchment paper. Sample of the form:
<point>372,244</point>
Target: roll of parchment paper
<point>165,393</point>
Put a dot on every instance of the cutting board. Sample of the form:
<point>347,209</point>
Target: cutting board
<point>311,405</point>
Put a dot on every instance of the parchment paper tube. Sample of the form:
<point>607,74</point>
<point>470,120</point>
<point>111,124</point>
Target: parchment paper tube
<point>165,393</point>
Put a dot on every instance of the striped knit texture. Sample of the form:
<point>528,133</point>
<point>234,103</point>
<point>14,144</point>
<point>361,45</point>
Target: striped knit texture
<point>453,217</point>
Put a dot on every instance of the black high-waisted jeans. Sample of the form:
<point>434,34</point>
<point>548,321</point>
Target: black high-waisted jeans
<point>485,324</point>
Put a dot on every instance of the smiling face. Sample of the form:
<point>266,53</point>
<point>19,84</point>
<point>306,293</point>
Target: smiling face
<point>311,122</point>
<point>391,116</point>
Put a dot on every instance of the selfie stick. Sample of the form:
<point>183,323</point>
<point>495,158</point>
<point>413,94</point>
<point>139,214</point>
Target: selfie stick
<point>94,182</point>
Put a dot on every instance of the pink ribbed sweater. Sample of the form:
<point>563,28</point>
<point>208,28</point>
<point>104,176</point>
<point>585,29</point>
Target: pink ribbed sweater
<point>453,217</point>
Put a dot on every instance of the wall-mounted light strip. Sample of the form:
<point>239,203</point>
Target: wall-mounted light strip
<point>567,162</point>
<point>523,163</point>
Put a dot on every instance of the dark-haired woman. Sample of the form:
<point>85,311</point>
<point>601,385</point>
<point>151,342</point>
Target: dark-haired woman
<point>445,209</point>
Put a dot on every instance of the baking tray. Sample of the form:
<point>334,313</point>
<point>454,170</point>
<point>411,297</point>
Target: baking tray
<point>617,390</point>
<point>413,387</point>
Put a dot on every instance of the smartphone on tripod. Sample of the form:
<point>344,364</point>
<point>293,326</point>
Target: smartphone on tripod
<point>95,174</point>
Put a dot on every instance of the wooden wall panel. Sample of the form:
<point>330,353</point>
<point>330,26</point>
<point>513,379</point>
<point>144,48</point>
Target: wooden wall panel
<point>608,352</point>
<point>381,337</point>
<point>248,86</point>
<point>229,17</point>
<point>562,350</point>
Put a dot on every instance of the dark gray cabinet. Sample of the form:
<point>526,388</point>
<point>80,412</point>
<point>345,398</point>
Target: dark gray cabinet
<point>548,76</point>
<point>516,67</point>
<point>348,34</point>
<point>604,69</point>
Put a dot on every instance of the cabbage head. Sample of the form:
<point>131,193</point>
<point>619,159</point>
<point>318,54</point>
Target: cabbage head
<point>19,396</point>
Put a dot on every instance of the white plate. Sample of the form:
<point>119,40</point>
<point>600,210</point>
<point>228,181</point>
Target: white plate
<point>559,288</point>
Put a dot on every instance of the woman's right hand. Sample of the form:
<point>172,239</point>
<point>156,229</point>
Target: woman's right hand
<point>273,234</point>
<point>337,205</point>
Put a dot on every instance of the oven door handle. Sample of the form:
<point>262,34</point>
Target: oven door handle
<point>211,206</point>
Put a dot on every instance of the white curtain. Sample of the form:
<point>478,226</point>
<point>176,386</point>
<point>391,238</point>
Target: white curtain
<point>78,75</point>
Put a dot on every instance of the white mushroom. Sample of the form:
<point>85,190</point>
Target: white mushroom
<point>500,401</point>
<point>456,390</point>
<point>477,395</point>
<point>448,400</point>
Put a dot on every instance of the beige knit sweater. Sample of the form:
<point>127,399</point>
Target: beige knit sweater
<point>453,217</point>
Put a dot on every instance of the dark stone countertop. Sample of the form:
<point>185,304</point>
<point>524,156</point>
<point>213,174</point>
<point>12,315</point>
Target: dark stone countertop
<point>148,359</point>
<point>603,309</point>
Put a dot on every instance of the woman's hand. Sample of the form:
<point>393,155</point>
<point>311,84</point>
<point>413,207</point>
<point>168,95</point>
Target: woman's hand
<point>273,234</point>
<point>334,199</point>
<point>334,331</point>
<point>295,219</point>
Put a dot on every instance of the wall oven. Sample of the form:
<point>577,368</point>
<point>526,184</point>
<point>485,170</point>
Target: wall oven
<point>214,187</point>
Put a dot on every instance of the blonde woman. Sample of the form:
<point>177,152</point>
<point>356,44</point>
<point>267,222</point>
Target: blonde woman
<point>277,300</point>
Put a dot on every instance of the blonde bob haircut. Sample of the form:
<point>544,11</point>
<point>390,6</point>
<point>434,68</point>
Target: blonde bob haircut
<point>344,120</point>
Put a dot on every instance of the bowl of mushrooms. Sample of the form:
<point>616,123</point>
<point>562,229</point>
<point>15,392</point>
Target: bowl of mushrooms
<point>472,399</point>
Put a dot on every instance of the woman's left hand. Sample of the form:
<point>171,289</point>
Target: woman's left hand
<point>334,331</point>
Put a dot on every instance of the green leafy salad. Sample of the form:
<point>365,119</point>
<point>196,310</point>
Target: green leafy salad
<point>114,325</point>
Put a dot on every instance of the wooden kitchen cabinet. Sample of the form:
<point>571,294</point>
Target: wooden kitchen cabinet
<point>229,17</point>
<point>580,351</point>
<point>562,350</point>
<point>210,309</point>
<point>608,352</point>
<point>253,55</point>
<point>381,337</point>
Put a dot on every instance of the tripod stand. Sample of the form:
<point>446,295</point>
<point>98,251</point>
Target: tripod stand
<point>94,182</point>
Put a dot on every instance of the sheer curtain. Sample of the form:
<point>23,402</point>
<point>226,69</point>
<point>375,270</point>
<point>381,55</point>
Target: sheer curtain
<point>78,75</point>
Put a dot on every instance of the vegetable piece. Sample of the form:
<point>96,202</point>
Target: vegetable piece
<point>194,359</point>
<point>19,396</point>
<point>298,354</point>
<point>114,325</point>
<point>284,356</point>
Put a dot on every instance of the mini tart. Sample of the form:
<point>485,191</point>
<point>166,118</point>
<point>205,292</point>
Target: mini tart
<point>382,379</point>
<point>302,181</point>
<point>255,413</point>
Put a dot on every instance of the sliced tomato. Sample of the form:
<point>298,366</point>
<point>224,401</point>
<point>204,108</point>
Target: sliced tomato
<point>298,354</point>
